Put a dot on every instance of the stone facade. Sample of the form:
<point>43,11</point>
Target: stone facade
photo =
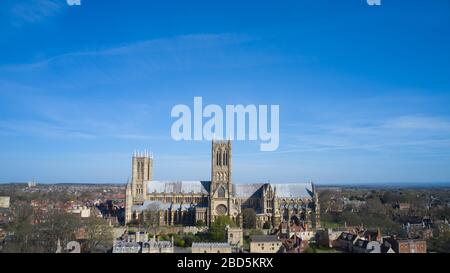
<point>265,244</point>
<point>235,236</point>
<point>4,202</point>
<point>188,203</point>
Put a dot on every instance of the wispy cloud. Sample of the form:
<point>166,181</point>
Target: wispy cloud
<point>53,116</point>
<point>418,123</point>
<point>392,134</point>
<point>34,11</point>
<point>155,54</point>
<point>43,88</point>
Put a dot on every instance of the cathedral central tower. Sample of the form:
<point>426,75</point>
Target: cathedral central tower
<point>221,191</point>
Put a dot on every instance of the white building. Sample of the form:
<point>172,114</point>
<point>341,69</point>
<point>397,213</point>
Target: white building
<point>4,202</point>
<point>83,211</point>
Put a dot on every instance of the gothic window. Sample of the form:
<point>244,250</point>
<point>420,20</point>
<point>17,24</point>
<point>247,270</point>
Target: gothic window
<point>224,158</point>
<point>217,158</point>
<point>139,170</point>
<point>221,210</point>
<point>221,192</point>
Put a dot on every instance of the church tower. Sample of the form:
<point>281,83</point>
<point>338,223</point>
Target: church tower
<point>142,174</point>
<point>221,191</point>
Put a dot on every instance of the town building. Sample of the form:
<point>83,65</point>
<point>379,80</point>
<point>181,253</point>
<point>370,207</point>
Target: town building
<point>4,202</point>
<point>82,211</point>
<point>366,246</point>
<point>405,245</point>
<point>328,237</point>
<point>126,247</point>
<point>265,244</point>
<point>156,246</point>
<point>235,236</point>
<point>346,240</point>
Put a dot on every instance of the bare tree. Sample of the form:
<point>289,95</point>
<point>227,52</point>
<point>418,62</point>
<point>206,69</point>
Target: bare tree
<point>99,235</point>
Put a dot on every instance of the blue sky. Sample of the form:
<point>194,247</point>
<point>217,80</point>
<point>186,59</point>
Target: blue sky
<point>364,92</point>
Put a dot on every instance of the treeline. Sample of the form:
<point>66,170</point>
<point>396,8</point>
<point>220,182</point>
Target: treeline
<point>26,235</point>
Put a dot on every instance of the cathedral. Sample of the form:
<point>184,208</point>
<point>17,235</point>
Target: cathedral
<point>188,203</point>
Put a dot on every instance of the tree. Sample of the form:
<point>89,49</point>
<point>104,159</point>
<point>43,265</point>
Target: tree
<point>217,231</point>
<point>267,225</point>
<point>200,223</point>
<point>21,228</point>
<point>249,218</point>
<point>439,244</point>
<point>59,226</point>
<point>151,215</point>
<point>29,237</point>
<point>99,235</point>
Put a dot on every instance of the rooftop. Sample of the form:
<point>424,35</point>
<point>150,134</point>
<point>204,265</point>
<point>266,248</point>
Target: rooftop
<point>264,238</point>
<point>211,245</point>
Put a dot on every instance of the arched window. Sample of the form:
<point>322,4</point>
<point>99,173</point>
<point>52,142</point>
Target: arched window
<point>217,158</point>
<point>221,192</point>
<point>139,170</point>
<point>224,158</point>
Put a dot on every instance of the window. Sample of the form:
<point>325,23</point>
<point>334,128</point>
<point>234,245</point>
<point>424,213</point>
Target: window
<point>221,192</point>
<point>221,210</point>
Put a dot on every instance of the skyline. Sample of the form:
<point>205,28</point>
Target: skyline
<point>363,91</point>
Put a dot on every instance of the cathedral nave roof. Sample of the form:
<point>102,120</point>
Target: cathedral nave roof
<point>179,187</point>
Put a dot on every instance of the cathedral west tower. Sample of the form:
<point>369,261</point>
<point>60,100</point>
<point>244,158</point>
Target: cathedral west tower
<point>142,173</point>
